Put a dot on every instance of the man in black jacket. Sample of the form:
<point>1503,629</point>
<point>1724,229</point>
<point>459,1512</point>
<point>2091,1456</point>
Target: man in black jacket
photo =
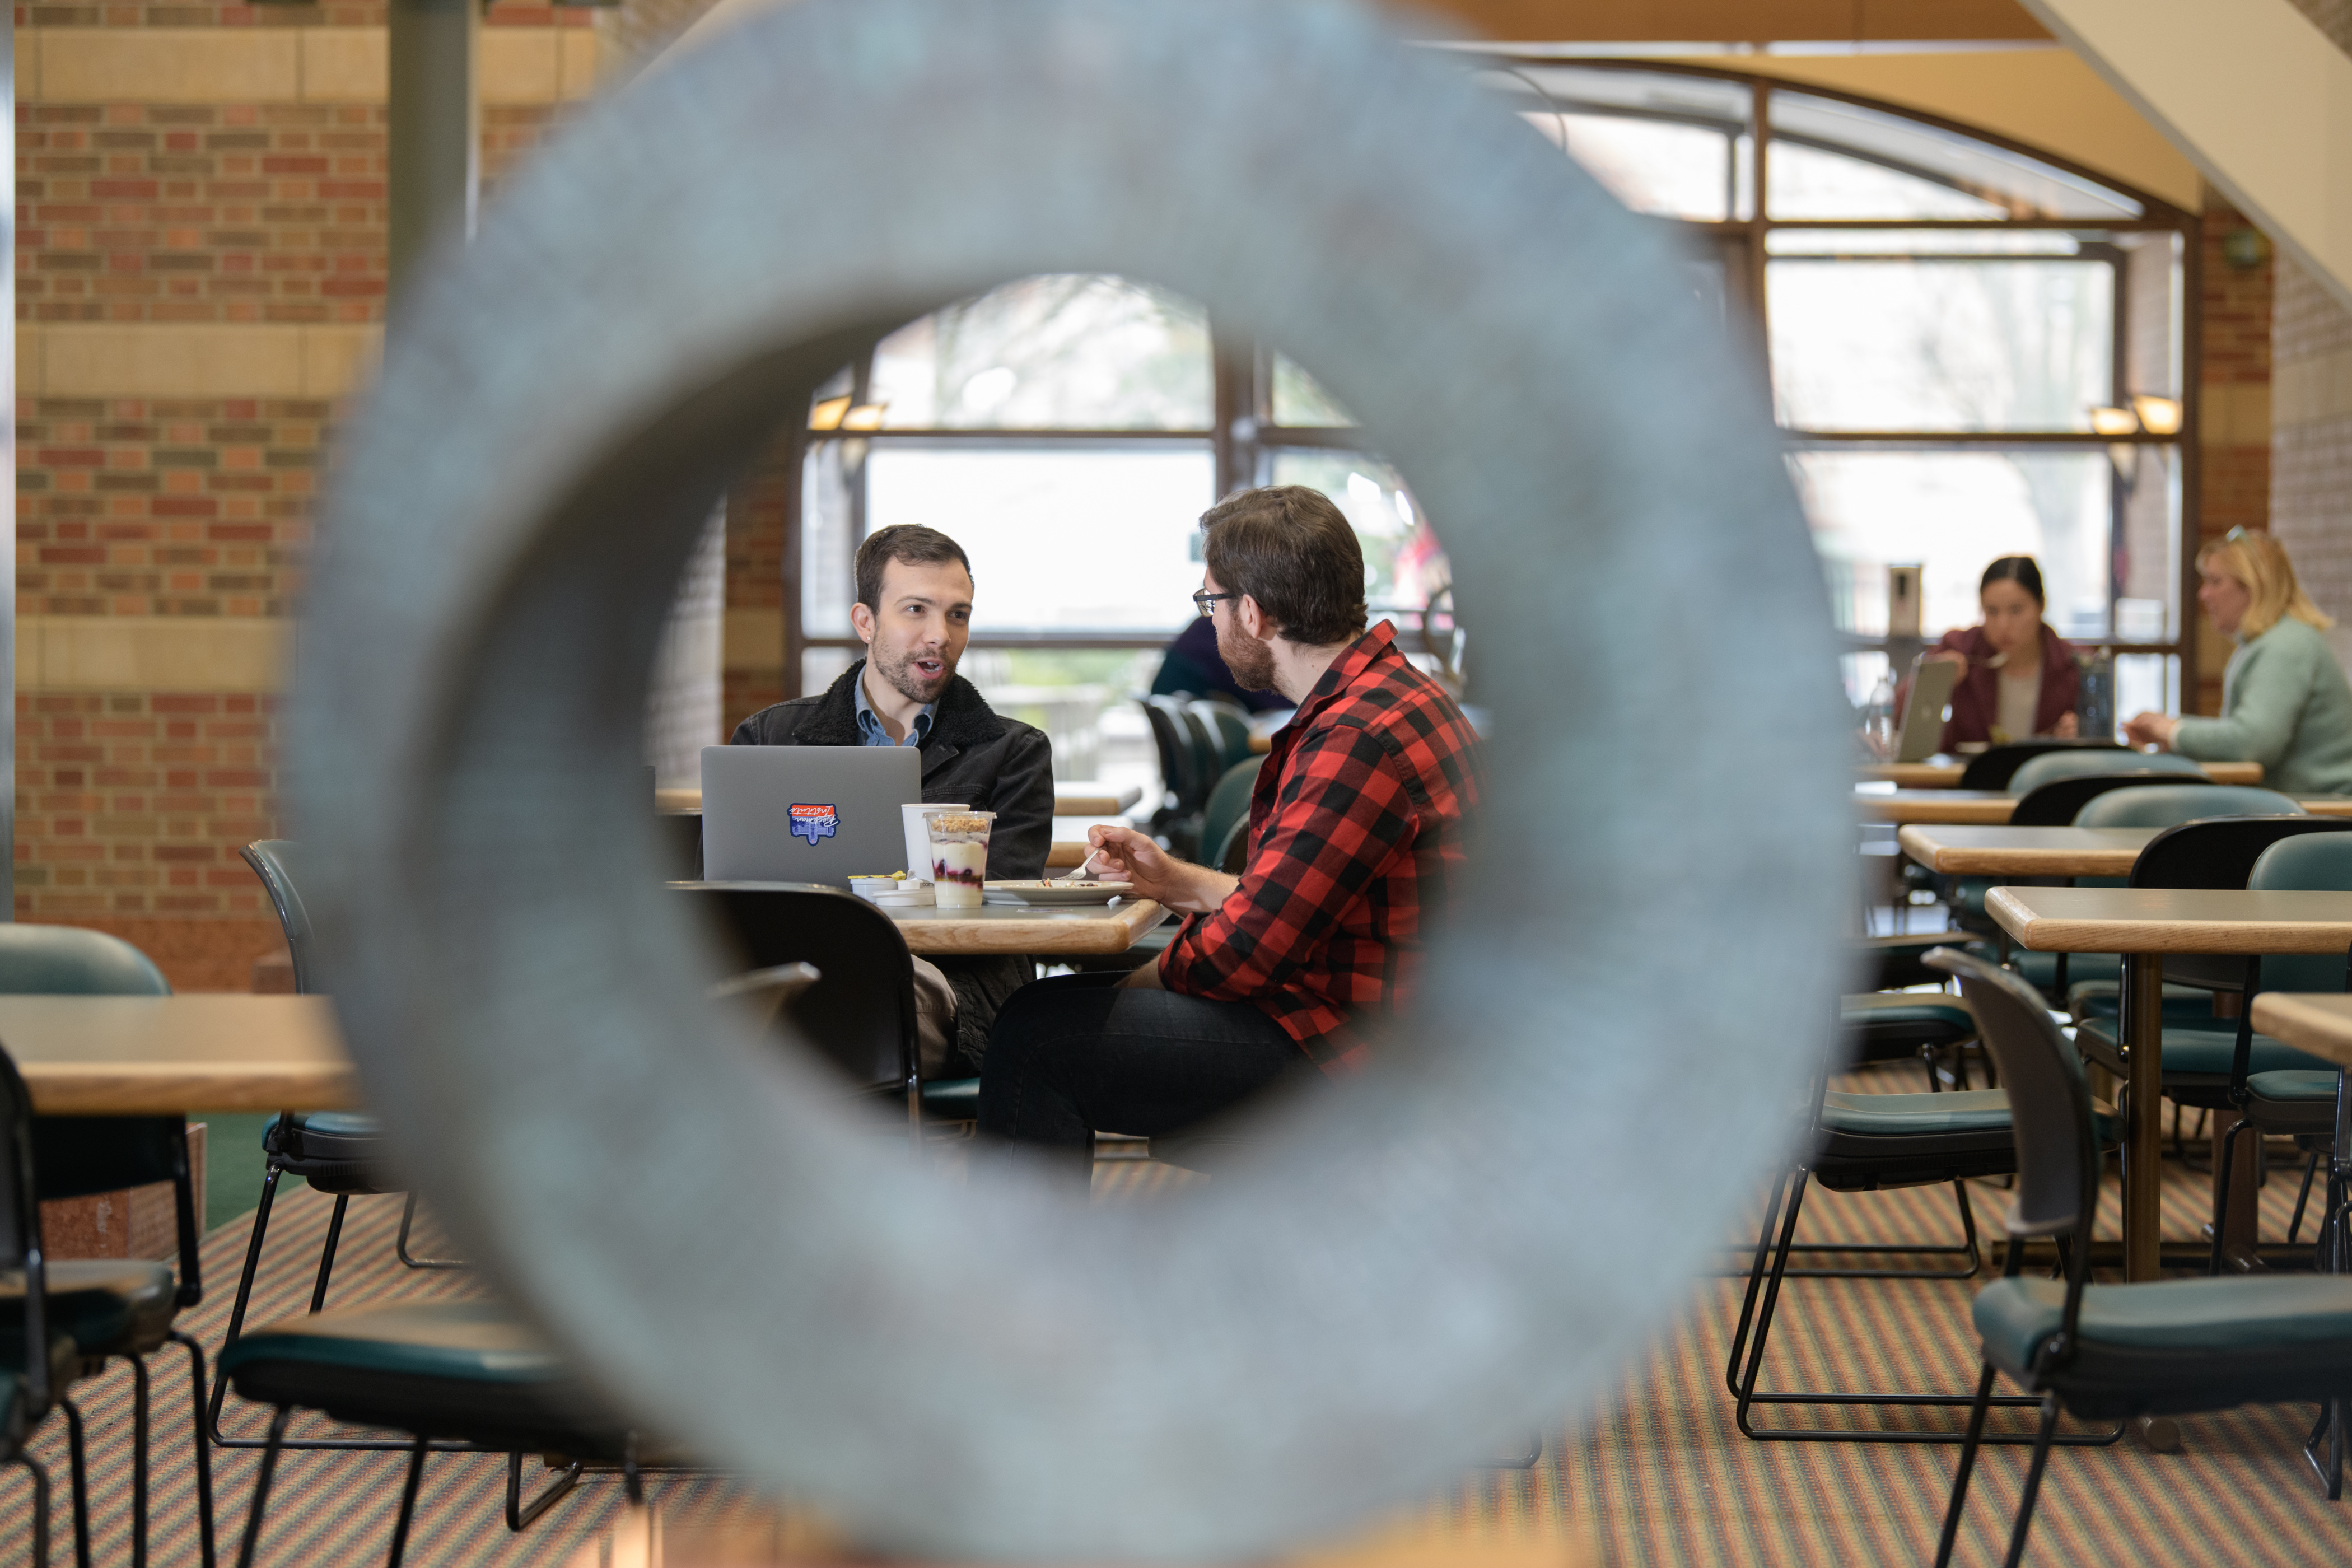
<point>914,614</point>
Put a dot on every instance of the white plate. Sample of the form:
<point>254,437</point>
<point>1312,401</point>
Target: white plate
<point>1055,893</point>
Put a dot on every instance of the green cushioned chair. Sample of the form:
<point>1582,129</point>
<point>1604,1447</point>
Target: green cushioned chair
<point>2111,1351</point>
<point>1861,1143</point>
<point>470,1371</point>
<point>2273,1098</point>
<point>2085,762</point>
<point>341,1153</point>
<point>1890,1025</point>
<point>112,1308</point>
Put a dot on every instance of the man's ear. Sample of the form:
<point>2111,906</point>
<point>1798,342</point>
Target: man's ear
<point>1254,621</point>
<point>862,619</point>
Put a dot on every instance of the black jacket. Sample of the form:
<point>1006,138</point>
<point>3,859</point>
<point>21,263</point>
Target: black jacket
<point>973,755</point>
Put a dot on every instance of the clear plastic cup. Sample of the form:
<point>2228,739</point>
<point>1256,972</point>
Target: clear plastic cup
<point>918,838</point>
<point>958,856</point>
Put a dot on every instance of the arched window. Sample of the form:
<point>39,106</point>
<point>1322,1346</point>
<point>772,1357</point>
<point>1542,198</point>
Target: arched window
<point>1973,350</point>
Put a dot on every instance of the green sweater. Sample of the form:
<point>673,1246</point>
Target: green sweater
<point>2286,705</point>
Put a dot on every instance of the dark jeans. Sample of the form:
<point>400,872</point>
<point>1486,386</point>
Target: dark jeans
<point>1076,1053</point>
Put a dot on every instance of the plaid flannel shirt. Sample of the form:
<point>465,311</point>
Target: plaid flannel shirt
<point>1356,841</point>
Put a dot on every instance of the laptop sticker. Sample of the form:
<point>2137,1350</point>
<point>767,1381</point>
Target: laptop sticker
<point>814,822</point>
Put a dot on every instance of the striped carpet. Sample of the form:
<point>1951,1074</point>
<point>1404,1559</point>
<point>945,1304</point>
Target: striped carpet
<point>1657,1474</point>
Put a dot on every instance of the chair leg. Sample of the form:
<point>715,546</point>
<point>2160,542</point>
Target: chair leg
<point>633,1481</point>
<point>1967,1463</point>
<point>1745,1392</point>
<point>40,1507</point>
<point>327,1256</point>
<point>408,1498</point>
<point>2222,1191</point>
<point>203,1448</point>
<point>79,1471</point>
<point>244,1291</point>
<point>138,1462</point>
<point>261,1486</point>
<point>2301,1196</point>
<point>400,1243</point>
<point>1756,1280</point>
<point>2032,1481</point>
<point>520,1515</point>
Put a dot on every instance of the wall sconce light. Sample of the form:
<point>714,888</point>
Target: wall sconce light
<point>826,415</point>
<point>2115,422</point>
<point>865,417</point>
<point>2157,415</point>
<point>2245,249</point>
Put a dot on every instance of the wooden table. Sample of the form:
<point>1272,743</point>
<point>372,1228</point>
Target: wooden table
<point>2143,924</point>
<point>1947,774</point>
<point>1075,797</point>
<point>2318,1022</point>
<point>1991,808</point>
<point>1069,929</point>
<point>141,1056</point>
<point>2026,851</point>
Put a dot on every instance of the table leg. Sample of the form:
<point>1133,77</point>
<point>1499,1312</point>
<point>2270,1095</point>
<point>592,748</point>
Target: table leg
<point>2143,1000</point>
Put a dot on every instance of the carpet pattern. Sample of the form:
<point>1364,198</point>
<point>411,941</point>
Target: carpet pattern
<point>1657,1473</point>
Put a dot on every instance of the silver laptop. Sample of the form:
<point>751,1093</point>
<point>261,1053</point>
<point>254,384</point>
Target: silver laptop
<point>805,814</point>
<point>1932,680</point>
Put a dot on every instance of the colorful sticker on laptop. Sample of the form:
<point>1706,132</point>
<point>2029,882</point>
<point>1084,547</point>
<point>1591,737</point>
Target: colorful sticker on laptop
<point>814,822</point>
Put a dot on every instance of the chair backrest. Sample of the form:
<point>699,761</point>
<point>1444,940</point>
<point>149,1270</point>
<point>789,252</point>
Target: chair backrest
<point>2049,1101</point>
<point>1230,723</point>
<point>1173,742</point>
<point>2218,852</point>
<point>2314,862</point>
<point>859,1013</point>
<point>1208,752</point>
<point>272,860</point>
<point>1229,802</point>
<point>2080,762</point>
<point>2060,800</point>
<point>67,961</point>
<point>2169,804</point>
<point>20,1231</point>
<point>1992,767</point>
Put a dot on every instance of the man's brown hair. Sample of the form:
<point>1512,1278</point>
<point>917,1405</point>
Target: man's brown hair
<point>1291,550</point>
<point>908,541</point>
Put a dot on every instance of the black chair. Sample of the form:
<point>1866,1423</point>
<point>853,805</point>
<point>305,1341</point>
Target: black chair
<point>859,1014</point>
<point>1992,767</point>
<point>2057,803</point>
<point>341,1153</point>
<point>1176,817</point>
<point>452,1375</point>
<point>1224,820</point>
<point>112,1307</point>
<point>1864,1142</point>
<point>2110,1353</point>
<point>38,1361</point>
<point>2092,762</point>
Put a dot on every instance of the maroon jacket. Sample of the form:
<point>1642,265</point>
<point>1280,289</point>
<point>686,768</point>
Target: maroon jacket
<point>1977,699</point>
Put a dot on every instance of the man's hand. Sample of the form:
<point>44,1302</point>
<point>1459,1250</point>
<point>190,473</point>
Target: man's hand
<point>1127,856</point>
<point>2151,729</point>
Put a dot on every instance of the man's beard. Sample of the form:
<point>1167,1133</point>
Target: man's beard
<point>898,672</point>
<point>1250,661</point>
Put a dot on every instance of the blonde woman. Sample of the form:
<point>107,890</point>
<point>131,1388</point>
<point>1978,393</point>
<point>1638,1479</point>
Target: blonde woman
<point>2284,700</point>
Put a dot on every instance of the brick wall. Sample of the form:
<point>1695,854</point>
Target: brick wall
<point>191,512</point>
<point>753,667</point>
<point>2234,445</point>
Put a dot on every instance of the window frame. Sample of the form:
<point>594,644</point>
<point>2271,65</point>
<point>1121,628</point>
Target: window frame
<point>1243,438</point>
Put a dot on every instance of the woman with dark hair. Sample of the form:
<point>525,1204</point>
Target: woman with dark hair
<point>2022,679</point>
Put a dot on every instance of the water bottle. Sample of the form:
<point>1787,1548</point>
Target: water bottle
<point>2095,705</point>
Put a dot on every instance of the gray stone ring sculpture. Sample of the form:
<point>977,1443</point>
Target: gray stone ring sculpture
<point>1422,1265</point>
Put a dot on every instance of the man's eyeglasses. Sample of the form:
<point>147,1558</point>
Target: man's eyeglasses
<point>1207,603</point>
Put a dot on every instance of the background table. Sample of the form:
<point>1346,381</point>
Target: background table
<point>1961,851</point>
<point>2317,1022</point>
<point>140,1055</point>
<point>1072,797</point>
<point>1947,774</point>
<point>1991,808</point>
<point>1009,927</point>
<point>2143,924</point>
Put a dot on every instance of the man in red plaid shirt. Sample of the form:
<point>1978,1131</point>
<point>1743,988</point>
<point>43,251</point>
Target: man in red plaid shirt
<point>1356,842</point>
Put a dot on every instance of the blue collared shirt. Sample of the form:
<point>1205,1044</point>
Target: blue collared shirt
<point>870,731</point>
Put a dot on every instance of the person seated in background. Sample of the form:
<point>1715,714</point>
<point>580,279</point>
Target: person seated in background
<point>2021,680</point>
<point>2284,701</point>
<point>914,614</point>
<point>1356,843</point>
<point>1191,664</point>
